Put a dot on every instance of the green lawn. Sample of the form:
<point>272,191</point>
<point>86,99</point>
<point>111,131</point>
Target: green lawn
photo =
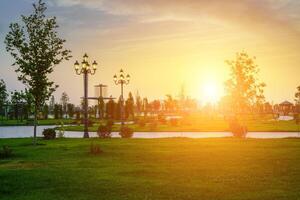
<point>205,125</point>
<point>143,169</point>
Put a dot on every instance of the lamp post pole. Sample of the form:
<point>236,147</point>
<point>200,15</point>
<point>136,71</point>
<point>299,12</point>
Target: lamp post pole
<point>85,69</point>
<point>122,80</point>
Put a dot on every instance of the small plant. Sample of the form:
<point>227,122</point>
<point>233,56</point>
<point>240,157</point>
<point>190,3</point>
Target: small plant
<point>126,132</point>
<point>104,131</point>
<point>6,152</point>
<point>49,134</point>
<point>95,149</point>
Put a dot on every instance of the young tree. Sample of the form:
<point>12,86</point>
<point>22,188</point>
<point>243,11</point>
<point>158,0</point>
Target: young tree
<point>64,103</point>
<point>36,48</point>
<point>244,88</point>
<point>244,91</point>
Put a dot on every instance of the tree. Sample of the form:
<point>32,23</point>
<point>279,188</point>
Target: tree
<point>138,102</point>
<point>297,96</point>
<point>64,103</point>
<point>71,110</point>
<point>45,111</point>
<point>3,96</point>
<point>17,101</point>
<point>56,111</point>
<point>129,106</point>
<point>36,49</point>
<point>51,105</point>
<point>243,88</point>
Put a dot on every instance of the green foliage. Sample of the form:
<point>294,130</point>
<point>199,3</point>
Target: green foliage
<point>104,131</point>
<point>126,132</point>
<point>6,152</point>
<point>49,134</point>
<point>243,88</point>
<point>3,93</point>
<point>36,49</point>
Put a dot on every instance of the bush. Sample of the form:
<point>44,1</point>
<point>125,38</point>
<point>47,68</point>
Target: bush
<point>238,130</point>
<point>49,134</point>
<point>6,152</point>
<point>104,131</point>
<point>126,132</point>
<point>95,149</point>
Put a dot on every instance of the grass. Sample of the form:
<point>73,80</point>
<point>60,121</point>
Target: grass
<point>143,169</point>
<point>205,125</point>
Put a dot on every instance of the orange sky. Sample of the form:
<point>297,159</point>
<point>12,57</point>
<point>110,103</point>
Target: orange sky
<point>167,44</point>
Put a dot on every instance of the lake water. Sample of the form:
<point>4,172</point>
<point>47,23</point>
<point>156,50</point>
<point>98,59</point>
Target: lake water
<point>27,131</point>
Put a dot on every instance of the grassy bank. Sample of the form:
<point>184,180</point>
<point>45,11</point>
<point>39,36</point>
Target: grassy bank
<point>203,126</point>
<point>183,169</point>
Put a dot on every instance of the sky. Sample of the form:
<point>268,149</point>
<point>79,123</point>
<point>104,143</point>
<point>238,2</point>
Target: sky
<point>170,44</point>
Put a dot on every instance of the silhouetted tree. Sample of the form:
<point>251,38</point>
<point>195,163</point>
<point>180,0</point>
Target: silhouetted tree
<point>110,109</point>
<point>3,97</point>
<point>129,106</point>
<point>36,48</point>
<point>71,110</point>
<point>64,100</point>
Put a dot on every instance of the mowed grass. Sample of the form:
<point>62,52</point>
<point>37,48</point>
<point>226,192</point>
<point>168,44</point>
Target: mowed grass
<point>143,169</point>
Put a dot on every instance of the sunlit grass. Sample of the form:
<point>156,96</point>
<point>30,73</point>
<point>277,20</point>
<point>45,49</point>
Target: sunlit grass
<point>176,168</point>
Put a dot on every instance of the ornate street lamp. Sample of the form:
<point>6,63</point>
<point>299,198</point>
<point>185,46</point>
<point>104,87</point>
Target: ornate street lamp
<point>85,69</point>
<point>122,80</point>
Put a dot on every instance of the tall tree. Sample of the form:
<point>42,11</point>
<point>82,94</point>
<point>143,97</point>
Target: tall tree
<point>297,96</point>
<point>3,96</point>
<point>51,105</point>
<point>71,110</point>
<point>244,88</point>
<point>36,48</point>
<point>64,102</point>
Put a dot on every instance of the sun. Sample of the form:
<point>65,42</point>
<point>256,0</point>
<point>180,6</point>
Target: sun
<point>210,92</point>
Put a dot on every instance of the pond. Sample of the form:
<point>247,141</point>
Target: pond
<point>27,131</point>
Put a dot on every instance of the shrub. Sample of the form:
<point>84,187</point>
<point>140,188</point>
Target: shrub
<point>238,130</point>
<point>104,131</point>
<point>95,149</point>
<point>49,134</point>
<point>126,132</point>
<point>6,152</point>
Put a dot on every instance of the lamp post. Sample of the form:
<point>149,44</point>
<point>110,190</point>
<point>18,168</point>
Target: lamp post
<point>85,69</point>
<point>122,80</point>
